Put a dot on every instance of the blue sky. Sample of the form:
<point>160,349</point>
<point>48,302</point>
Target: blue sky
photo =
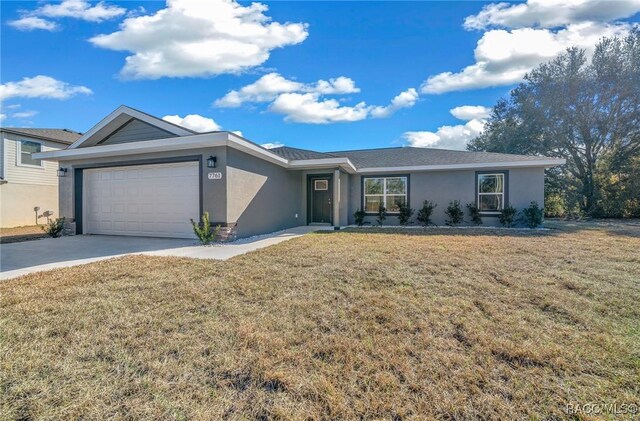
<point>63,64</point>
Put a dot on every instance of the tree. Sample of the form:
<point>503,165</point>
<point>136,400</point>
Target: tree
<point>585,111</point>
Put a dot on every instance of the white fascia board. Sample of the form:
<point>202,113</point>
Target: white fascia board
<point>513,164</point>
<point>303,164</point>
<point>123,109</point>
<point>206,140</point>
<point>246,146</point>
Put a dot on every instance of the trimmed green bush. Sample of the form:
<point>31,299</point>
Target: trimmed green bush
<point>474,213</point>
<point>424,213</point>
<point>454,213</point>
<point>382,214</point>
<point>359,217</point>
<point>533,215</point>
<point>405,214</point>
<point>507,216</point>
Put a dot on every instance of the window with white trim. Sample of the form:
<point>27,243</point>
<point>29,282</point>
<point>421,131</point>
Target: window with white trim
<point>26,148</point>
<point>491,192</point>
<point>391,192</point>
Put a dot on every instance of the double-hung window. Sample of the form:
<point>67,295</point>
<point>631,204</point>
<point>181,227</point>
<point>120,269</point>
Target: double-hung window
<point>390,192</point>
<point>26,149</point>
<point>491,192</point>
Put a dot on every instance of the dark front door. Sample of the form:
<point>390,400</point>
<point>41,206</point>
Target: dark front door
<point>321,200</point>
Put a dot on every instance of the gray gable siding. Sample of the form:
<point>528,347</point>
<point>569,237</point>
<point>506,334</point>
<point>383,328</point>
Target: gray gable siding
<point>134,131</point>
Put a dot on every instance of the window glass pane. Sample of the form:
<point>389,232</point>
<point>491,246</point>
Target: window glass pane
<point>493,183</point>
<point>321,184</point>
<point>490,202</point>
<point>372,203</point>
<point>373,186</point>
<point>397,185</point>
<point>26,149</point>
<point>393,203</point>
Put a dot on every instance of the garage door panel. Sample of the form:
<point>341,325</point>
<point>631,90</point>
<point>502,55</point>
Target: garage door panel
<point>147,200</point>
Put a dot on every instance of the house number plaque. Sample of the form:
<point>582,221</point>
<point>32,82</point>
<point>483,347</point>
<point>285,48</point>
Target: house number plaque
<point>214,176</point>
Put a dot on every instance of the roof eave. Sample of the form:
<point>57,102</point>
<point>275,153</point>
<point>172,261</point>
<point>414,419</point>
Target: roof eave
<point>206,140</point>
<point>547,163</point>
<point>63,142</point>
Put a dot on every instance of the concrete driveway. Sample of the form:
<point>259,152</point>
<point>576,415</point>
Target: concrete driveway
<point>18,259</point>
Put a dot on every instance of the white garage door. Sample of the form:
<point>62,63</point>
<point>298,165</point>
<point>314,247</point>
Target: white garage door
<point>145,200</point>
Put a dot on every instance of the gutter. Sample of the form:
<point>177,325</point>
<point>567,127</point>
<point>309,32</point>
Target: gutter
<point>208,140</point>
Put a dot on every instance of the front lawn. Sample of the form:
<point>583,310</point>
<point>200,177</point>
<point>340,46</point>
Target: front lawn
<point>24,233</point>
<point>455,324</point>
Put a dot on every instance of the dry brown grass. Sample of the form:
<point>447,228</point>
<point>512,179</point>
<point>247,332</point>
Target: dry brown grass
<point>450,325</point>
<point>25,233</point>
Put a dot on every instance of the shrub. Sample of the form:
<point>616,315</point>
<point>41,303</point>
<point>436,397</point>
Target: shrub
<point>454,213</point>
<point>533,215</point>
<point>507,216</point>
<point>54,228</point>
<point>382,214</point>
<point>203,229</point>
<point>359,216</point>
<point>424,214</point>
<point>405,214</point>
<point>474,213</point>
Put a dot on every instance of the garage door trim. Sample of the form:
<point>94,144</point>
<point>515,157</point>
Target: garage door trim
<point>78,173</point>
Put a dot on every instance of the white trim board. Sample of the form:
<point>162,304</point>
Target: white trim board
<point>123,109</point>
<point>208,140</point>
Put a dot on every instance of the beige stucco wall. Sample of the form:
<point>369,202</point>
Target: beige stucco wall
<point>26,187</point>
<point>17,201</point>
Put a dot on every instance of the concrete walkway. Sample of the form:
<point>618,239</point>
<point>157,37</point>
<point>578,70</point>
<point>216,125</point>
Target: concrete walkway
<point>18,259</point>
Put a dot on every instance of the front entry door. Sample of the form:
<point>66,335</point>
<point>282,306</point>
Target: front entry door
<point>321,200</point>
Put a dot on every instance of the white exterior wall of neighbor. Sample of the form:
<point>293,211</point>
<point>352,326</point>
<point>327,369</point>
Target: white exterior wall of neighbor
<point>24,187</point>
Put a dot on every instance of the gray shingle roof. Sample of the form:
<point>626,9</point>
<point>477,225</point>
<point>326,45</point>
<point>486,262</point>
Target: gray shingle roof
<point>405,156</point>
<point>58,135</point>
<point>295,153</point>
<point>409,156</point>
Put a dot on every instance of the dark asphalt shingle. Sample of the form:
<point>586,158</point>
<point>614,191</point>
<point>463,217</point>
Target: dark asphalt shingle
<point>296,153</point>
<point>405,156</point>
<point>58,135</point>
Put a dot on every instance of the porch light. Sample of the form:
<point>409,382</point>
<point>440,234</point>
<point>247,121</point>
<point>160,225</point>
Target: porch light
<point>62,172</point>
<point>211,162</point>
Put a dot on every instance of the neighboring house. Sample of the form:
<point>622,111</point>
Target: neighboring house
<point>28,183</point>
<point>135,174</point>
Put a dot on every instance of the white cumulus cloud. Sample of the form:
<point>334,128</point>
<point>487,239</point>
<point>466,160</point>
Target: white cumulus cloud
<point>551,13</point>
<point>24,114</point>
<point>194,122</point>
<point>80,9</point>
<point>269,86</point>
<point>41,87</point>
<point>308,108</point>
<point>30,23</point>
<point>194,38</point>
<point>452,137</point>
<point>470,112</point>
<point>406,99</point>
<point>272,145</point>
<point>76,9</point>
<point>3,116</point>
<point>519,37</point>
<point>504,57</point>
<point>306,103</point>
